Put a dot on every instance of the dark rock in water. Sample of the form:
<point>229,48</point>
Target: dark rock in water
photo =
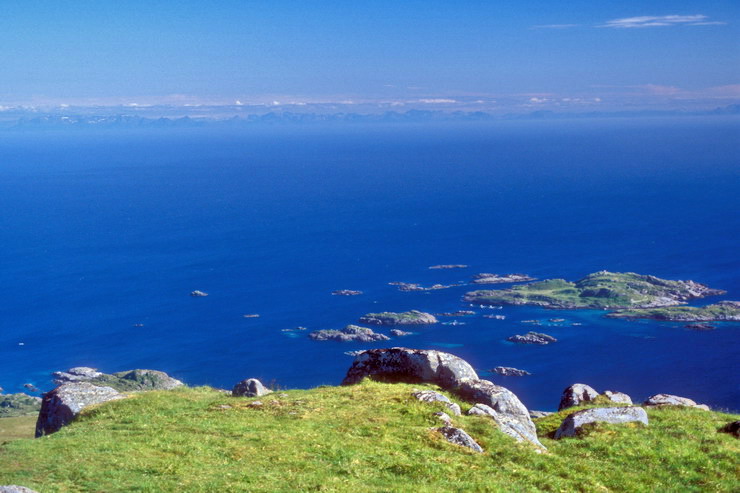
<point>60,406</point>
<point>198,294</point>
<point>700,326</point>
<point>539,414</point>
<point>486,278</point>
<point>400,333</point>
<point>614,415</point>
<point>618,397</point>
<point>410,365</point>
<point>250,387</point>
<point>532,338</point>
<point>673,400</point>
<point>12,488</point>
<point>410,286</point>
<point>432,396</point>
<point>459,313</point>
<point>731,428</point>
<point>576,394</point>
<point>508,371</point>
<point>351,333</point>
<point>12,405</point>
<point>412,317</point>
<point>31,387</point>
<point>346,292</point>
<point>459,437</point>
<point>448,266</point>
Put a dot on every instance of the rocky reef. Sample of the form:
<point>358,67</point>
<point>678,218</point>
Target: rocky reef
<point>412,317</point>
<point>601,290</point>
<point>532,338</point>
<point>351,333</point>
<point>485,278</point>
<point>724,311</point>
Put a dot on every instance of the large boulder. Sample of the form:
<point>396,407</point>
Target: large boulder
<point>618,397</point>
<point>250,387</point>
<point>61,405</point>
<point>574,422</point>
<point>673,400</point>
<point>522,430</point>
<point>410,365</point>
<point>577,394</point>
<point>459,437</point>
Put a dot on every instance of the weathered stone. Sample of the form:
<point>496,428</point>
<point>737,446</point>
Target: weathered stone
<point>673,400</point>
<point>410,365</point>
<point>250,387</point>
<point>577,394</point>
<point>614,415</point>
<point>509,424</point>
<point>64,403</point>
<point>731,428</point>
<point>444,417</point>
<point>618,397</point>
<point>539,414</point>
<point>12,488</point>
<point>459,437</point>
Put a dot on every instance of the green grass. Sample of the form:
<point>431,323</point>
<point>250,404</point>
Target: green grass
<point>363,438</point>
<point>17,428</point>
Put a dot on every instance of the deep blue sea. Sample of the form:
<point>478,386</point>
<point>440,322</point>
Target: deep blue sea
<point>103,230</point>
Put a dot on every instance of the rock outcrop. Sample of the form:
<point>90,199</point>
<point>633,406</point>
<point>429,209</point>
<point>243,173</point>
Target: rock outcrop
<point>12,405</point>
<point>614,415</point>
<point>251,387</point>
<point>532,338</point>
<point>672,400</point>
<point>410,365</point>
<point>123,381</point>
<point>618,397</point>
<point>64,403</point>
<point>351,333</point>
<point>486,278</point>
<point>577,394</point>
<point>458,436</point>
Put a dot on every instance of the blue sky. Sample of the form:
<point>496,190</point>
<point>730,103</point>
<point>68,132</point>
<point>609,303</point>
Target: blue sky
<point>114,52</point>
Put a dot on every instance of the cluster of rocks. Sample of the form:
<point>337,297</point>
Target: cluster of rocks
<point>486,278</point>
<point>459,313</point>
<point>532,338</point>
<point>351,333</point>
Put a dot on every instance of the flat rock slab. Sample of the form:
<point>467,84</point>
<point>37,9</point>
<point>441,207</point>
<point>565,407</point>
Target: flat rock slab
<point>458,436</point>
<point>60,406</point>
<point>673,400</point>
<point>613,415</point>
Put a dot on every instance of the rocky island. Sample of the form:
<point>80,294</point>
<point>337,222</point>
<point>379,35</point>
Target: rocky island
<point>351,333</point>
<point>601,290</point>
<point>724,311</point>
<point>412,317</point>
<point>346,292</point>
<point>532,338</point>
<point>410,286</point>
<point>448,266</point>
<point>485,278</point>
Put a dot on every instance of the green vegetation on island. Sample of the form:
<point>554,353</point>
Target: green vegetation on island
<point>13,405</point>
<point>721,312</point>
<point>412,317</point>
<point>601,290</point>
<point>367,437</point>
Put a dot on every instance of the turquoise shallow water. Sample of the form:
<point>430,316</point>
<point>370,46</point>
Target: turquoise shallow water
<point>101,231</point>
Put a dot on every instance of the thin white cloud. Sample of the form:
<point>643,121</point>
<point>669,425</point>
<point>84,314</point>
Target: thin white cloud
<point>660,21</point>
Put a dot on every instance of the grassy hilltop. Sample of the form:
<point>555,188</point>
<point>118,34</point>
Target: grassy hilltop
<point>367,437</point>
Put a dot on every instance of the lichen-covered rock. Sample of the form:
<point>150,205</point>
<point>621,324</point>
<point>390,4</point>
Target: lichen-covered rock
<point>432,396</point>
<point>732,428</point>
<point>410,365</point>
<point>572,424</point>
<point>12,488</point>
<point>512,425</point>
<point>64,403</point>
<point>459,437</point>
<point>250,387</point>
<point>577,394</point>
<point>351,333</point>
<point>673,400</point>
<point>618,397</point>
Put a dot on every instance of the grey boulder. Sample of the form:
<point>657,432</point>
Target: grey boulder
<point>250,387</point>
<point>61,405</point>
<point>12,488</point>
<point>577,394</point>
<point>673,400</point>
<point>618,397</point>
<point>458,436</point>
<point>614,415</point>
<point>410,365</point>
<point>513,426</point>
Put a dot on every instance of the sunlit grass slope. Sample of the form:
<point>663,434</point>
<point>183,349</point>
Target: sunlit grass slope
<point>368,437</point>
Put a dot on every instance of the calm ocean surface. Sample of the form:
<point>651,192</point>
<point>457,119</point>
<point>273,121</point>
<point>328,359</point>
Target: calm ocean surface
<point>104,230</point>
